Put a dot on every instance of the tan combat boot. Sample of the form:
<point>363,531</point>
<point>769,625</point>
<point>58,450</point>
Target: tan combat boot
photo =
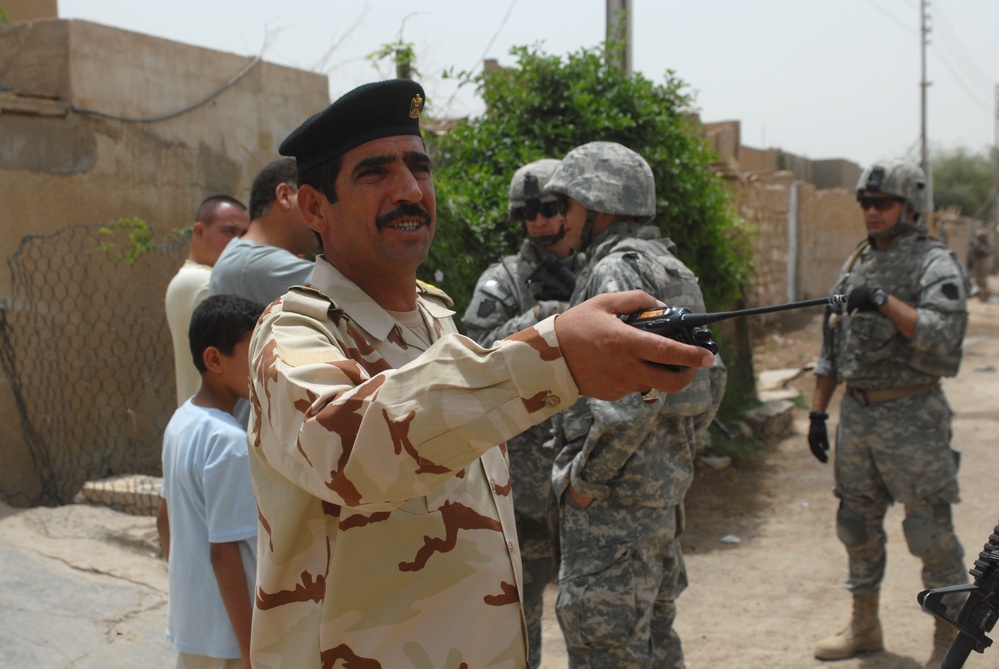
<point>943,636</point>
<point>862,635</point>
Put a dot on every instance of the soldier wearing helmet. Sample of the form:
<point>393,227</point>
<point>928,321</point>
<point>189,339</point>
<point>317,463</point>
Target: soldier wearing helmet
<point>623,467</point>
<point>980,260</point>
<point>512,294</point>
<point>900,332</point>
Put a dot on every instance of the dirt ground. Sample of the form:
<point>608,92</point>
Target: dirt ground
<point>763,602</point>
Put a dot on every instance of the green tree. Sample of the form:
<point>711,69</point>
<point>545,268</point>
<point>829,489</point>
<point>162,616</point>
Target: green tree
<point>965,180</point>
<point>544,107</point>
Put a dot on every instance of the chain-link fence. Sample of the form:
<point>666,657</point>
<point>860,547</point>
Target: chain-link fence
<point>86,351</point>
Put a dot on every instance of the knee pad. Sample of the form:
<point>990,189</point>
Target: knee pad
<point>851,528</point>
<point>923,533</point>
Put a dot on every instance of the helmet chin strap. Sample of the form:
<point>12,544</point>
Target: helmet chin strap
<point>901,226</point>
<point>586,236</point>
<point>547,240</point>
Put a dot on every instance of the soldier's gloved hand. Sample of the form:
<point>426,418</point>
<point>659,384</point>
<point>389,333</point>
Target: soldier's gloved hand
<point>818,437</point>
<point>866,298</point>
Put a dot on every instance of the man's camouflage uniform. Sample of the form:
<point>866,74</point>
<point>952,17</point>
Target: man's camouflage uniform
<point>621,567</point>
<point>898,449</point>
<point>503,303</point>
<point>980,261</point>
<point>367,558</point>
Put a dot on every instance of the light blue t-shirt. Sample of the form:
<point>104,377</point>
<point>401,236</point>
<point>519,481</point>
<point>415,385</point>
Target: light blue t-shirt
<point>206,483</point>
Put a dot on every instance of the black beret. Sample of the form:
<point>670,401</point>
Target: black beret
<point>371,111</point>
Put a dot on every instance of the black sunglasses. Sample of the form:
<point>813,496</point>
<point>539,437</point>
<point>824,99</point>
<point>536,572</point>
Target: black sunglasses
<point>879,202</point>
<point>547,209</point>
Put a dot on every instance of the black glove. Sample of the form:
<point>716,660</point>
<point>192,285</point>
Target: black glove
<point>865,298</point>
<point>818,437</point>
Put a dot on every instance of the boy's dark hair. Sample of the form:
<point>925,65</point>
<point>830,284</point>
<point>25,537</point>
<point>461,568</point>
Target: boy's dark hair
<point>263,190</point>
<point>221,321</point>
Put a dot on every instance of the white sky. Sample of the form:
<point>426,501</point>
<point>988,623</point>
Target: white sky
<point>818,78</point>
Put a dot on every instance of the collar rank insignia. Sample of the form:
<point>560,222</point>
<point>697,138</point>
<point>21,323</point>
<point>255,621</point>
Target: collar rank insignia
<point>416,106</point>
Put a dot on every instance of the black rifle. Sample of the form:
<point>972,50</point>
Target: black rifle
<point>980,610</point>
<point>686,327</point>
<point>551,280</point>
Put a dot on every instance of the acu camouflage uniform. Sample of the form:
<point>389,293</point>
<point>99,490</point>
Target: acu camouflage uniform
<point>502,304</point>
<point>621,567</point>
<point>387,533</point>
<point>893,438</point>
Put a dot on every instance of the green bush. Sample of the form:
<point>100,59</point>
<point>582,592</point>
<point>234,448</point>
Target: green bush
<point>546,106</point>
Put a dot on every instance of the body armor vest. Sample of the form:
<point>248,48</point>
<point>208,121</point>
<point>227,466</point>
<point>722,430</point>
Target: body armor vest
<point>670,281</point>
<point>870,352</point>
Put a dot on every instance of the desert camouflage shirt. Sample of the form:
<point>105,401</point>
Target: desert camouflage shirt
<point>866,350</point>
<point>629,451</point>
<point>502,304</point>
<point>387,536</point>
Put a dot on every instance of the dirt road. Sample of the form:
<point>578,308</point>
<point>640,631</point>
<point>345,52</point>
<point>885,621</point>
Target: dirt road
<point>764,602</point>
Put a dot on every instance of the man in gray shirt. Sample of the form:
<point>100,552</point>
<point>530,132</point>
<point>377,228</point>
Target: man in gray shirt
<point>271,256</point>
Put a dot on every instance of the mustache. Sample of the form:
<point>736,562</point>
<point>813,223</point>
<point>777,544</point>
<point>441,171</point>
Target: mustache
<point>403,210</point>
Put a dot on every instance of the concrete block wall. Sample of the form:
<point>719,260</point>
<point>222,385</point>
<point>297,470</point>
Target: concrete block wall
<point>62,164</point>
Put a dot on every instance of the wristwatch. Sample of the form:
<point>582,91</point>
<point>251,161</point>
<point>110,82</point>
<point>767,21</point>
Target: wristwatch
<point>879,296</point>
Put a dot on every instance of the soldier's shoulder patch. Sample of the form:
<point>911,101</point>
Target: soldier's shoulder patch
<point>309,302</point>
<point>431,290</point>
<point>950,291</point>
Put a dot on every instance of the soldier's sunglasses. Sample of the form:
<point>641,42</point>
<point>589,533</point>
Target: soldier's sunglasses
<point>547,209</point>
<point>879,202</point>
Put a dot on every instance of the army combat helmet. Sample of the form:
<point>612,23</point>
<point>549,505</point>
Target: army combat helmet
<point>527,200</point>
<point>526,186</point>
<point>902,180</point>
<point>607,177</point>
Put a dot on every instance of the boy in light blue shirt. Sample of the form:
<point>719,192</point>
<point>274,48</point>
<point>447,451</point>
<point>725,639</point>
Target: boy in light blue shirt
<point>208,516</point>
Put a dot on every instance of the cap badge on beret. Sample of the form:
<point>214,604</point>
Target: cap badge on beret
<point>416,106</point>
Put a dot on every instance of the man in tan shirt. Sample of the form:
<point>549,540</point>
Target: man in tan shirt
<point>387,534</point>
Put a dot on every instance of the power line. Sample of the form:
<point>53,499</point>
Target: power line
<point>509,11</point>
<point>322,65</point>
<point>960,80</point>
<point>232,81</point>
<point>894,19</point>
<point>485,52</point>
<point>954,40</point>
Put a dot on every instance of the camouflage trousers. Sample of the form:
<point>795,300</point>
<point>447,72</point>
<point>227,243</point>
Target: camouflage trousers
<point>531,476</point>
<point>898,451</point>
<point>537,576</point>
<point>620,574</point>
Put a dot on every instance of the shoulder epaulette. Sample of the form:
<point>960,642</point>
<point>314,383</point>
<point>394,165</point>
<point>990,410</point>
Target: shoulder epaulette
<point>309,302</point>
<point>425,288</point>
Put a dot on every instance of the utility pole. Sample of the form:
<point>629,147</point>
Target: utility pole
<point>924,85</point>
<point>619,34</point>
<point>995,163</point>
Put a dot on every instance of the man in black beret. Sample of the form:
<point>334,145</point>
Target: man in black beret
<point>387,529</point>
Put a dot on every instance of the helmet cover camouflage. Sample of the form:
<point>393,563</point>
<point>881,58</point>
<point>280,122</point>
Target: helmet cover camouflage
<point>901,179</point>
<point>531,176</point>
<point>542,170</point>
<point>607,177</point>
